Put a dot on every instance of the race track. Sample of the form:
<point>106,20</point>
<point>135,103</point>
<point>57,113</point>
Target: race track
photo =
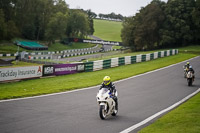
<point>77,112</point>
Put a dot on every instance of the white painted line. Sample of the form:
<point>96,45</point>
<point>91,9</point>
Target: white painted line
<point>159,113</point>
<point>92,86</point>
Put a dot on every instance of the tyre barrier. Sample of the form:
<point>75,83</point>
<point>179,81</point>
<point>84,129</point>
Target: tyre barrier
<point>114,62</point>
<point>8,55</point>
<point>49,53</point>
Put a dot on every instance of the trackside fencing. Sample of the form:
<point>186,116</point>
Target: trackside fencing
<point>8,55</point>
<point>64,53</point>
<point>114,62</point>
<point>19,73</point>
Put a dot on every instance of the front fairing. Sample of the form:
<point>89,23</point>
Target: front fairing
<point>103,95</point>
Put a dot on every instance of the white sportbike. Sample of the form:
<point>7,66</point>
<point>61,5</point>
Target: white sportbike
<point>106,103</point>
<point>190,78</point>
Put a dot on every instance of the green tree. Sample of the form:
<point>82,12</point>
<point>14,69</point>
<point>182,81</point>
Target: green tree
<point>178,27</point>
<point>127,32</point>
<point>3,30</point>
<point>91,16</point>
<point>143,30</point>
<point>149,21</point>
<point>56,27</point>
<point>196,20</point>
<point>12,30</point>
<point>43,19</point>
<point>78,25</point>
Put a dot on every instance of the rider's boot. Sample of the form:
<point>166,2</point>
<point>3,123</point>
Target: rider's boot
<point>116,103</point>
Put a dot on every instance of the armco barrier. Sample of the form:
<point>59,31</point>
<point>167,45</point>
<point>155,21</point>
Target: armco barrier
<point>114,62</point>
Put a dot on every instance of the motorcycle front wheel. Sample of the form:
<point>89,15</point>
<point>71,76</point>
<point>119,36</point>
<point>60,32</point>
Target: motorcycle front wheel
<point>102,112</point>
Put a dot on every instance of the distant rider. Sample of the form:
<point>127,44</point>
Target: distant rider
<point>186,66</point>
<point>108,84</point>
<point>191,70</point>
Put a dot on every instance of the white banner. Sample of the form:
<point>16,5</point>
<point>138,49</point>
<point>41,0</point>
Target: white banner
<point>101,42</point>
<point>20,73</point>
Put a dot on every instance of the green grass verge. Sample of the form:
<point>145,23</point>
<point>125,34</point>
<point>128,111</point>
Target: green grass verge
<point>20,64</point>
<point>108,30</point>
<point>9,48</point>
<point>184,119</point>
<point>80,80</point>
<point>116,47</point>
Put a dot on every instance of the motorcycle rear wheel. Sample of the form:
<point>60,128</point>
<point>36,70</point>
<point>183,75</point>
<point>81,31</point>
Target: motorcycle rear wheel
<point>189,82</point>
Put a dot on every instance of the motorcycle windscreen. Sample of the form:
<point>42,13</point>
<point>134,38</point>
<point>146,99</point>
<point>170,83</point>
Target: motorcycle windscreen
<point>103,91</point>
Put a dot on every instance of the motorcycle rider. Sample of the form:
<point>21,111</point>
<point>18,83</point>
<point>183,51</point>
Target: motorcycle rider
<point>186,66</point>
<point>108,84</point>
<point>191,70</point>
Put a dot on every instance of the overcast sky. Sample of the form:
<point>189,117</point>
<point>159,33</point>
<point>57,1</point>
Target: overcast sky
<point>123,7</point>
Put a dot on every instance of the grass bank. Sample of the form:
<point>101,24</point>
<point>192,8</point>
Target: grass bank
<point>184,119</point>
<point>20,64</point>
<point>108,30</point>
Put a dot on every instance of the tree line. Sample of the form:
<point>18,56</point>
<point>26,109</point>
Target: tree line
<point>111,16</point>
<point>162,25</point>
<point>43,20</point>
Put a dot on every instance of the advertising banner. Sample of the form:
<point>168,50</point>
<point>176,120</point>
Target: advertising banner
<point>7,74</point>
<point>103,42</point>
<point>48,70</point>
<point>80,67</point>
<point>62,69</point>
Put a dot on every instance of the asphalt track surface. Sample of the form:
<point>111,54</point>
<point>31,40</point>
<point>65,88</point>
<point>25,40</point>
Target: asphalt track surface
<point>77,112</point>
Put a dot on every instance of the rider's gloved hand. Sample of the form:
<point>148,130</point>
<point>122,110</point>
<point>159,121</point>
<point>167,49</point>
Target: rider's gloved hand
<point>113,94</point>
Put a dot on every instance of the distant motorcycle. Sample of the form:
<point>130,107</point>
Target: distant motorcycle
<point>106,103</point>
<point>190,77</point>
